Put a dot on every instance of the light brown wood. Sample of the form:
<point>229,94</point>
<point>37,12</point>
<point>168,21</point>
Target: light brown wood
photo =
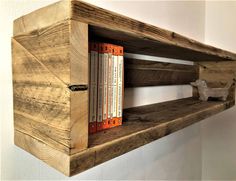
<point>45,63</point>
<point>79,75</point>
<point>137,37</point>
<point>40,98</point>
<point>141,126</point>
<point>151,73</point>
<point>52,157</point>
<point>50,83</point>
<point>42,17</point>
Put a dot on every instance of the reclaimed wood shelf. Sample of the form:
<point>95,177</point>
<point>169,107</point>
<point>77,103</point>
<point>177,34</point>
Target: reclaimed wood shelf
<point>50,58</point>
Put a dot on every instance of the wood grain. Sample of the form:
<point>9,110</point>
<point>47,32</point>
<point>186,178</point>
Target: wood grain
<point>45,63</point>
<point>218,74</point>
<point>52,157</point>
<point>51,46</point>
<point>142,125</point>
<point>79,75</point>
<point>151,73</point>
<point>42,17</point>
<point>50,55</point>
<point>146,38</point>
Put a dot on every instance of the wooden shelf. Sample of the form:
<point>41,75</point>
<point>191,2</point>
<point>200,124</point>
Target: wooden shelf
<point>135,36</point>
<point>145,124</point>
<point>50,55</point>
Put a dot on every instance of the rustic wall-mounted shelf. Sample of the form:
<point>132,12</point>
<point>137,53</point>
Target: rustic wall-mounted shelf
<point>50,54</point>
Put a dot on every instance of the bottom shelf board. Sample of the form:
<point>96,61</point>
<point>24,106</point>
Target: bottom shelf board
<point>142,125</point>
<point>153,121</point>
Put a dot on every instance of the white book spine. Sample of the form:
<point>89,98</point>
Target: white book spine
<point>110,70</point>
<point>105,79</point>
<point>100,87</point>
<point>120,86</point>
<point>93,86</point>
<point>114,85</point>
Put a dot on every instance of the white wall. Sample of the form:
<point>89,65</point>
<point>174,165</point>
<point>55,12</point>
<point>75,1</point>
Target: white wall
<point>219,132</point>
<point>177,156</point>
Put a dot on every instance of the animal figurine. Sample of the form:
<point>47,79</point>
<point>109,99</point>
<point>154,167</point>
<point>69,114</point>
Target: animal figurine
<point>205,92</point>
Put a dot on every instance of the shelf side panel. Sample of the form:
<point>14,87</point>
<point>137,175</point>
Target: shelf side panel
<point>41,100</point>
<point>46,63</point>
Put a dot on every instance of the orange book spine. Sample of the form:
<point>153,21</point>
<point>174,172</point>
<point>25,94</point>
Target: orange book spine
<point>93,54</point>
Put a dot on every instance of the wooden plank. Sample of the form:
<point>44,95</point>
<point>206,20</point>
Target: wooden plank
<point>51,47</point>
<point>44,17</point>
<point>143,125</point>
<point>52,157</point>
<point>137,37</point>
<point>218,74</point>
<point>151,73</point>
<point>41,101</point>
<point>220,71</point>
<point>79,75</point>
<point>37,92</point>
<point>47,62</point>
<point>55,138</point>
<point>78,53</point>
<point>119,26</point>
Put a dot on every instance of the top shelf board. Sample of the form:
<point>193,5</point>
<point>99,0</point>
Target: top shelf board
<point>135,36</point>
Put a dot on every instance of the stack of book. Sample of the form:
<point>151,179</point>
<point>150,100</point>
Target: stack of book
<point>106,86</point>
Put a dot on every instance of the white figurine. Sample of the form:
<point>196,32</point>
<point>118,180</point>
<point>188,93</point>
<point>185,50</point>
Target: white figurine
<point>205,92</point>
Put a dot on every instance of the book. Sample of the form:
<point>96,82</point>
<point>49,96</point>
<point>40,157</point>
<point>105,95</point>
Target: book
<point>100,89</point>
<point>106,86</point>
<point>120,84</point>
<point>109,83</point>
<point>117,85</point>
<point>93,56</point>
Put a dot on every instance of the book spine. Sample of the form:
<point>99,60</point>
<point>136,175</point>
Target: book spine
<point>105,85</point>
<point>109,91</point>
<point>93,54</point>
<point>120,88</point>
<point>114,85</point>
<point>100,89</point>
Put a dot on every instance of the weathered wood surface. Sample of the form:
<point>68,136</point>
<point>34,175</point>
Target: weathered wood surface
<point>143,125</point>
<point>45,63</point>
<point>50,54</point>
<point>218,74</point>
<point>137,37</point>
<point>220,71</point>
<point>51,156</point>
<point>42,17</point>
<point>151,73</point>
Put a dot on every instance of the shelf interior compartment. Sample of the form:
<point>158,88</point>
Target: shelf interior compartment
<point>141,44</point>
<point>150,122</point>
